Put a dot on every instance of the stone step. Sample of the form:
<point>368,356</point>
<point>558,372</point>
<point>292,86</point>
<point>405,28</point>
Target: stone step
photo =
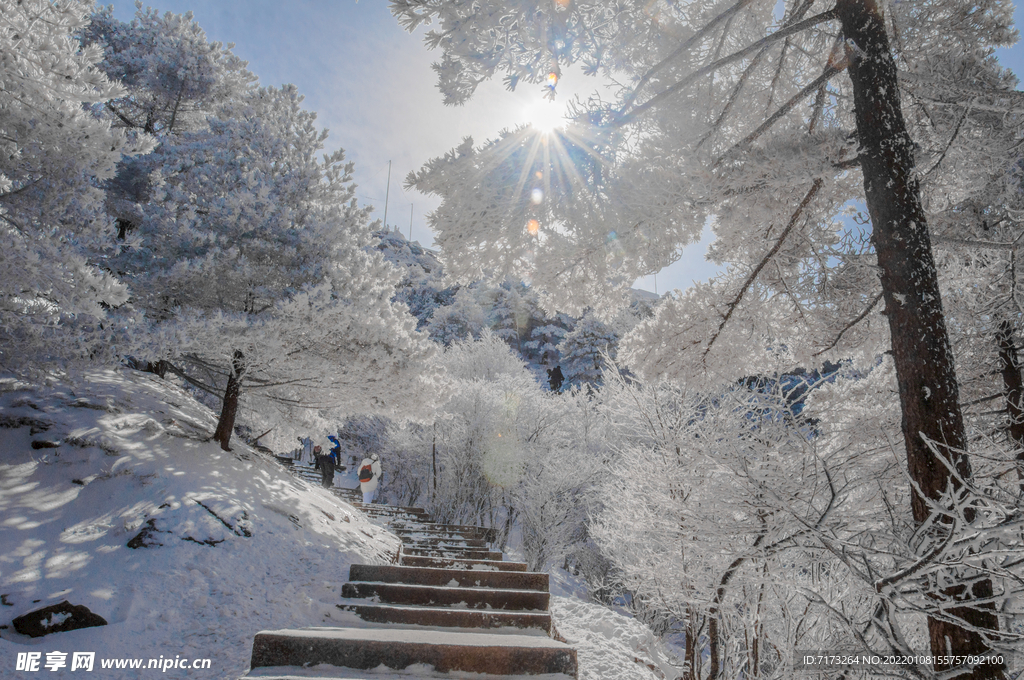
<point>459,563</point>
<point>456,527</point>
<point>337,673</point>
<point>463,578</point>
<point>431,529</point>
<point>380,507</point>
<point>471,598</point>
<point>381,520</point>
<point>390,514</point>
<point>446,651</point>
<point>451,618</point>
<point>441,543</point>
<point>457,553</point>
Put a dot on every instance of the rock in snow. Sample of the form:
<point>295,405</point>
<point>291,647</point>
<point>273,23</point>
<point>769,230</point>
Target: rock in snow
<point>57,618</point>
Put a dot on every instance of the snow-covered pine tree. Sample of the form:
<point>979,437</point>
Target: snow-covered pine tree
<point>55,289</point>
<point>547,336</point>
<point>257,271</point>
<point>586,350</point>
<point>463,319</point>
<point>513,313</point>
<point>173,79</point>
<point>758,116</point>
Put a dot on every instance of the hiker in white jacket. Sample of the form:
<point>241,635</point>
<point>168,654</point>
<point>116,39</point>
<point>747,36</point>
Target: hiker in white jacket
<point>369,475</point>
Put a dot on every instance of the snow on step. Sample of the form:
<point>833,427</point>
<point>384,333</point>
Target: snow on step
<point>434,529</point>
<point>459,563</point>
<point>452,618</point>
<point>445,651</point>
<point>417,672</point>
<point>458,553</point>
<point>437,540</point>
<point>412,526</point>
<point>464,578</point>
<point>431,547</point>
<point>466,598</point>
<point>450,605</point>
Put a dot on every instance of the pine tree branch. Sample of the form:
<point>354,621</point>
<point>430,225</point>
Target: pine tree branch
<point>25,187</point>
<point>693,40</point>
<point>747,72</point>
<point>761,265</point>
<point>818,82</point>
<point>192,381</point>
<point>626,118</point>
<point>952,138</point>
<point>973,243</point>
<point>847,164</point>
<point>860,317</point>
<point>120,115</point>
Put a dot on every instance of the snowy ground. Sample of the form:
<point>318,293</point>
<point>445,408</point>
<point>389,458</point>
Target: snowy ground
<point>236,543</point>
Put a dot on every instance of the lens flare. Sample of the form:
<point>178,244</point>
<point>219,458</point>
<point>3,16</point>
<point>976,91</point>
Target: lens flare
<point>532,227</point>
<point>552,80</point>
<point>537,195</point>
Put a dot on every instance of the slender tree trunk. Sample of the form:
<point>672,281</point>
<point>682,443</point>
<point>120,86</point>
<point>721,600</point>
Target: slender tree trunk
<point>433,464</point>
<point>1013,390</point>
<point>226,424</point>
<point>691,655</point>
<point>755,644</point>
<point>713,644</point>
<point>929,395</point>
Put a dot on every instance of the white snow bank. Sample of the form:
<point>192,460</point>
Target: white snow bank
<point>238,544</point>
<point>610,645</point>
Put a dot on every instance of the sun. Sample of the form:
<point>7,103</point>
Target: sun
<point>544,116</point>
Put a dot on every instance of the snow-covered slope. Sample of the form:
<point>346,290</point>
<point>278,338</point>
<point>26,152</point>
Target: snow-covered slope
<point>236,543</point>
<point>229,543</point>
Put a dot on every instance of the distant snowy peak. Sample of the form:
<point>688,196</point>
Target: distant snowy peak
<point>640,294</point>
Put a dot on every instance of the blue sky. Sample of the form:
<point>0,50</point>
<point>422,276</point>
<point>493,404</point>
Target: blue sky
<point>371,84</point>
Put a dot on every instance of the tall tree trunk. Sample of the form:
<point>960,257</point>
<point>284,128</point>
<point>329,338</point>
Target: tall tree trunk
<point>929,396</point>
<point>1013,391</point>
<point>226,424</point>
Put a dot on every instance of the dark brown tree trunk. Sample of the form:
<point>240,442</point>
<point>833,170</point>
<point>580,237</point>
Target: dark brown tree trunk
<point>159,368</point>
<point>691,655</point>
<point>1013,391</point>
<point>713,644</point>
<point>929,396</point>
<point>226,424</point>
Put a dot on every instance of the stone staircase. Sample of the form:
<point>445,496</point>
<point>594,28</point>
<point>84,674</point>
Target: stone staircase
<point>450,603</point>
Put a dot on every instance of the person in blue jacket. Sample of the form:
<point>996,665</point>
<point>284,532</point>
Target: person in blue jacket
<point>335,449</point>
